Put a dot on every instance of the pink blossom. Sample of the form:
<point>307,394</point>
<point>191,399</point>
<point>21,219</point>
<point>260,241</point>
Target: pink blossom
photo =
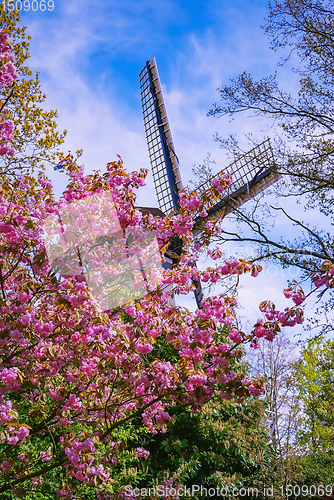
<point>6,149</point>
<point>73,402</point>
<point>6,130</point>
<point>46,456</point>
<point>144,348</point>
<point>22,433</point>
<point>5,467</point>
<point>142,453</point>
<point>253,391</point>
<point>235,336</point>
<point>12,440</point>
<point>8,74</point>
<point>259,331</point>
<point>66,352</point>
<point>298,299</point>
<point>56,395</point>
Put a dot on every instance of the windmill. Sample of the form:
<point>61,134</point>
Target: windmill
<point>251,173</point>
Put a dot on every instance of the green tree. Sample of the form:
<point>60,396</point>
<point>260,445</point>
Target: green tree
<point>275,364</point>
<point>300,402</point>
<point>315,375</point>
<point>226,444</point>
<point>36,138</point>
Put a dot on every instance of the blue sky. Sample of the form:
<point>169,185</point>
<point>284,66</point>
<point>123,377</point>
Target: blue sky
<point>90,53</point>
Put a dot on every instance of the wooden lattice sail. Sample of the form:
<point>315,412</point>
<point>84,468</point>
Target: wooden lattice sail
<point>251,174</point>
<point>164,162</point>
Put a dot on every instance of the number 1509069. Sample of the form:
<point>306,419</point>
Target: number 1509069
<point>26,5</point>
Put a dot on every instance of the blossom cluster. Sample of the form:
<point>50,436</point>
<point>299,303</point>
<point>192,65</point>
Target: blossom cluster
<point>325,275</point>
<point>81,462</point>
<point>6,130</point>
<point>296,293</point>
<point>85,238</point>
<point>274,320</point>
<point>8,73</point>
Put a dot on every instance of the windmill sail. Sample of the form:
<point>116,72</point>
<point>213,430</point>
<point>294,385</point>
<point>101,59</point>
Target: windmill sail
<point>251,174</point>
<point>164,162</point>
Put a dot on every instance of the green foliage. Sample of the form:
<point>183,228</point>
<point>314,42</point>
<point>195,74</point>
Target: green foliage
<point>315,375</point>
<point>221,444</point>
<point>224,444</point>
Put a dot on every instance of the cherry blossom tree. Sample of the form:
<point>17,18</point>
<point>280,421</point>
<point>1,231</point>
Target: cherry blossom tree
<point>72,372</point>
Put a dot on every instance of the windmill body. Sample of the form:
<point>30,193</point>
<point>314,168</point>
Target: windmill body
<point>251,173</point>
